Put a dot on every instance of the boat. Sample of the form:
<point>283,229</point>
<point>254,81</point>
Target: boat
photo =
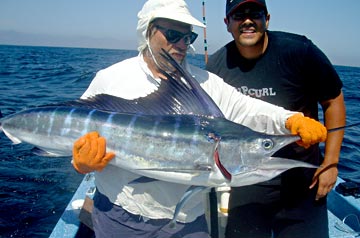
<point>343,211</point>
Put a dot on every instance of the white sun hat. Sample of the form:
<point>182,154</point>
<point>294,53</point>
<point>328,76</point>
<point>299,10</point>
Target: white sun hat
<point>170,9</point>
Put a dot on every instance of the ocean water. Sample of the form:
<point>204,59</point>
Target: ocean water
<point>34,191</point>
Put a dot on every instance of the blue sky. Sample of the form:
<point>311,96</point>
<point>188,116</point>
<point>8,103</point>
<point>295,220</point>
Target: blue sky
<point>332,25</point>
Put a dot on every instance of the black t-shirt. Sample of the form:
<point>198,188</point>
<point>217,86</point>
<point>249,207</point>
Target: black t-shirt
<point>292,73</point>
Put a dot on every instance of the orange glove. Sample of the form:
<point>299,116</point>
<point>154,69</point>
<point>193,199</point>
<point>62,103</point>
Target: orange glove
<point>89,153</point>
<point>310,131</point>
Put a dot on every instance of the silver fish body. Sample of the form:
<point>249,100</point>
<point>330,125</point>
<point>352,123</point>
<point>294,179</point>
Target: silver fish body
<point>174,148</point>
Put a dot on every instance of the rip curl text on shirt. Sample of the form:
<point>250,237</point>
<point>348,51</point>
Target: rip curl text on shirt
<point>257,92</point>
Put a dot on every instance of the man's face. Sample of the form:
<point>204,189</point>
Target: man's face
<point>172,36</point>
<point>248,25</point>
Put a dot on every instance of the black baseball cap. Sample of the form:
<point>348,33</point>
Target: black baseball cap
<point>232,5</point>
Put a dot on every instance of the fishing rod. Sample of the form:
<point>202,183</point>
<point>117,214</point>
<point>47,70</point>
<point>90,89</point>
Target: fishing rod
<point>205,39</point>
<point>343,127</point>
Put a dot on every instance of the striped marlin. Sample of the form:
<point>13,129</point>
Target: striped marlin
<point>186,139</point>
<point>188,149</point>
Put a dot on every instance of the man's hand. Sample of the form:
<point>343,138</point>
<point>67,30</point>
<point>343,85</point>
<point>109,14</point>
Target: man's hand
<point>326,176</point>
<point>310,130</point>
<point>89,153</point>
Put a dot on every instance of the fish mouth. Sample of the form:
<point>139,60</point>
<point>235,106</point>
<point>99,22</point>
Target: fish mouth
<point>279,142</point>
<point>265,171</point>
<point>271,163</point>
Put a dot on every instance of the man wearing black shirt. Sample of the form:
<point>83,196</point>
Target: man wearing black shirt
<point>290,71</point>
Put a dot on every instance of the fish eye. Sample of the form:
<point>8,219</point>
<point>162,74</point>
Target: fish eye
<point>267,144</point>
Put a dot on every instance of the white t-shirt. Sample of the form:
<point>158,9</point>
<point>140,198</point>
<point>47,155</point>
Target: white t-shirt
<point>131,79</point>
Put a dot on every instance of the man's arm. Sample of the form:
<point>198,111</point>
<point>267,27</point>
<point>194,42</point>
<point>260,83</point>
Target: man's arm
<point>334,116</point>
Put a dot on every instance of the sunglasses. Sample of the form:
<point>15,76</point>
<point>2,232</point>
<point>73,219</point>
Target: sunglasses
<point>241,16</point>
<point>173,36</point>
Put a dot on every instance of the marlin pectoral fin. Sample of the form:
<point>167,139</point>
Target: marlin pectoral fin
<point>190,192</point>
<point>143,179</point>
<point>282,163</point>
